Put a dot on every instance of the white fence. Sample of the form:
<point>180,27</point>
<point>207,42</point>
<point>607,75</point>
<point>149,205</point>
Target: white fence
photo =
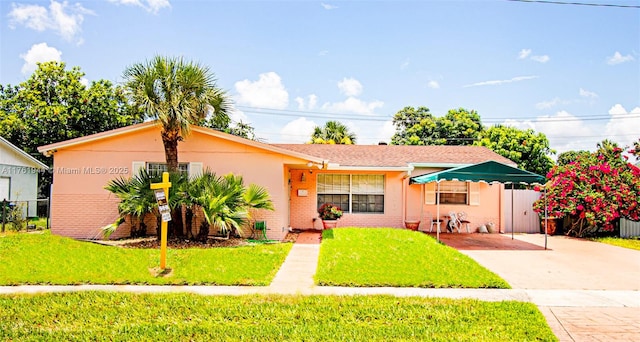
<point>525,220</point>
<point>629,228</point>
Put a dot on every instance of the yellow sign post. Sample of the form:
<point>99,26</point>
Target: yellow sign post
<point>162,196</point>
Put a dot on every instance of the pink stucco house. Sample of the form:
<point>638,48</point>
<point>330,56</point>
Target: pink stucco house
<point>370,182</point>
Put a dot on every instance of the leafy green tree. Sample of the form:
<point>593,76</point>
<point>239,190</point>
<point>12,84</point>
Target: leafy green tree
<point>459,127</point>
<point>420,127</point>
<point>530,150</point>
<point>594,191</point>
<point>178,94</point>
<point>54,105</point>
<point>565,158</point>
<point>415,127</point>
<point>333,132</point>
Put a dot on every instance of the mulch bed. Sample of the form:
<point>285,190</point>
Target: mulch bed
<point>153,242</point>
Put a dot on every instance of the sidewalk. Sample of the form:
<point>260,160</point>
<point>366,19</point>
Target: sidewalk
<point>573,315</point>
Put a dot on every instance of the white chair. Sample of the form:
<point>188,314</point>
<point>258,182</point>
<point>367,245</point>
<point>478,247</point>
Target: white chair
<point>434,222</point>
<point>453,223</point>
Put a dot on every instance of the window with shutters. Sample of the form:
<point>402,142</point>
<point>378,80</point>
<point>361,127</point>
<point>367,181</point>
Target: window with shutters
<point>352,193</point>
<point>452,192</point>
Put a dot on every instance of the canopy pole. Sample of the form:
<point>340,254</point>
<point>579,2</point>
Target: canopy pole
<point>512,211</point>
<point>438,211</point>
<point>546,219</point>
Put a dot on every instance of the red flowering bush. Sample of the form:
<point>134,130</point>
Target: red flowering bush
<point>594,191</point>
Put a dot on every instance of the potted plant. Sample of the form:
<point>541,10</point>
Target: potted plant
<point>329,214</point>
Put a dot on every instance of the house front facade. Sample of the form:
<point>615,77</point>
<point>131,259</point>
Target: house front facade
<point>369,182</point>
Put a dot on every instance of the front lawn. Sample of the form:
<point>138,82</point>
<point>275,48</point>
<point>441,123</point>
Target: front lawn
<point>42,258</point>
<point>396,257</point>
<point>620,242</point>
<point>105,316</point>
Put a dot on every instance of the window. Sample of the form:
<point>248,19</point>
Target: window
<point>159,168</point>
<point>453,192</point>
<point>352,193</point>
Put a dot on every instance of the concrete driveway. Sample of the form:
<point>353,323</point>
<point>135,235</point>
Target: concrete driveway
<point>568,263</point>
<point>599,272</point>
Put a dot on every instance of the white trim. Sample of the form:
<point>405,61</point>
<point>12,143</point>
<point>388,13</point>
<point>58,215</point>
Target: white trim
<point>33,161</point>
<point>337,167</point>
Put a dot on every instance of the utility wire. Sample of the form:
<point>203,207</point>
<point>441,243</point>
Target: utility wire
<point>576,3</point>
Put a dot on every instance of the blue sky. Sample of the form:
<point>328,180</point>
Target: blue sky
<point>569,71</point>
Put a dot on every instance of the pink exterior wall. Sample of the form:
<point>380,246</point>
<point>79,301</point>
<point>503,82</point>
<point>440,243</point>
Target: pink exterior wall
<point>303,209</point>
<point>80,205</point>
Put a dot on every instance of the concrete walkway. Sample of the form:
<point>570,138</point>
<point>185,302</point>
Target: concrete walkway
<point>580,313</point>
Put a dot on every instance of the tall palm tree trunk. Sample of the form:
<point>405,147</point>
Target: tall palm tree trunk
<point>170,140</point>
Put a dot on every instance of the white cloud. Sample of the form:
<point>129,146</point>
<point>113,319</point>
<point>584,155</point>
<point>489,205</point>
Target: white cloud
<point>501,82</point>
<point>353,105</point>
<point>588,94</point>
<point>618,58</point>
<point>152,6</point>
<point>323,53</point>
<point>350,87</point>
<point>39,53</point>
<point>62,18</point>
<point>309,104</point>
<point>267,92</point>
<point>540,59</point>
<point>84,81</point>
<point>524,53</point>
<point>328,6</point>
<point>623,127</point>
<point>297,131</point>
<point>549,104</point>
<point>405,64</point>
<point>567,132</point>
<point>433,85</point>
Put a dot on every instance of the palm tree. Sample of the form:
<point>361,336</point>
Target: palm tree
<point>177,93</point>
<point>333,132</point>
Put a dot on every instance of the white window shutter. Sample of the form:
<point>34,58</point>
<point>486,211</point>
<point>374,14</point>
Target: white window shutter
<point>474,193</point>
<point>136,166</point>
<point>430,193</point>
<point>195,169</point>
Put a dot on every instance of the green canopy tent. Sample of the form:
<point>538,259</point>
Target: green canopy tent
<point>489,171</point>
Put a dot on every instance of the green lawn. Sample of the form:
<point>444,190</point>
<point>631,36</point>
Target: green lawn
<point>396,257</point>
<point>627,243</point>
<point>105,316</point>
<point>42,258</point>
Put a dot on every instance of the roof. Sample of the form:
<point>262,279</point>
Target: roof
<point>489,171</point>
<point>29,160</point>
<point>383,157</point>
<point>398,155</point>
<point>52,148</point>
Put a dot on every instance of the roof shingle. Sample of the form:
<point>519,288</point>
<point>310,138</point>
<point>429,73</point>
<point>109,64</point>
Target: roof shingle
<point>397,155</point>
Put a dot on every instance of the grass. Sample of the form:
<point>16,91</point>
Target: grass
<point>105,316</point>
<point>633,243</point>
<point>396,257</point>
<point>42,258</point>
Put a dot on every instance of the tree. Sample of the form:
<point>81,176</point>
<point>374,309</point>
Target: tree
<point>565,158</point>
<point>414,127</point>
<point>333,132</point>
<point>594,191</point>
<point>178,94</point>
<point>459,127</point>
<point>420,127</point>
<point>54,105</point>
<point>530,150</point>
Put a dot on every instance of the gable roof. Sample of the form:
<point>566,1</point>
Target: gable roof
<point>48,150</point>
<point>399,155</point>
<point>28,159</point>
